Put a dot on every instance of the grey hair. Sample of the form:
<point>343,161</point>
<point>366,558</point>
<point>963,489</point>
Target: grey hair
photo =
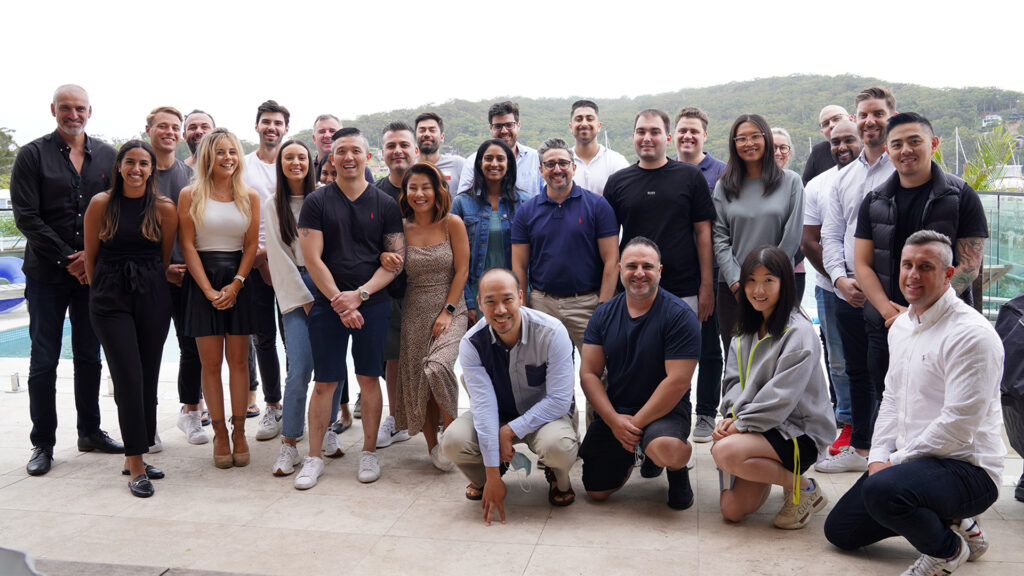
<point>553,144</point>
<point>783,132</point>
<point>323,117</point>
<point>932,237</point>
<point>68,88</point>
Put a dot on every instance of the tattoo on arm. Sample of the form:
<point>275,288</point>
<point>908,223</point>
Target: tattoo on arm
<point>396,243</point>
<point>304,232</point>
<point>969,254</point>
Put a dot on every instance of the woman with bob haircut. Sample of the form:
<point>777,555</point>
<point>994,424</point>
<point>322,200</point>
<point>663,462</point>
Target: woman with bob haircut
<point>128,235</point>
<point>487,211</point>
<point>757,204</point>
<point>218,223</point>
<point>777,416</point>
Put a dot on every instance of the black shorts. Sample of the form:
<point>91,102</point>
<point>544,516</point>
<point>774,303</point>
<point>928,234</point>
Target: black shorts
<point>606,464</point>
<point>787,454</point>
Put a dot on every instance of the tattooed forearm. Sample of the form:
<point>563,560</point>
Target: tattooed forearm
<point>969,254</point>
<point>396,243</point>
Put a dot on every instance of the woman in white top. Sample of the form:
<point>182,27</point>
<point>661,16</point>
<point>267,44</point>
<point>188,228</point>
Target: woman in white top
<point>218,218</point>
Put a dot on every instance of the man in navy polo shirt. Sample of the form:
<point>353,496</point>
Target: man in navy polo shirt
<point>564,244</point>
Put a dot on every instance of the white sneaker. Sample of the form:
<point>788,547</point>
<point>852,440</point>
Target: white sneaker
<point>387,435</point>
<point>270,424</point>
<point>191,423</point>
<point>369,467</point>
<point>796,516</point>
<point>932,566</point>
<point>692,461</point>
<point>971,531</point>
<point>312,468</point>
<point>287,461</point>
<point>157,446</point>
<point>331,447</point>
<point>846,461</point>
<point>439,461</point>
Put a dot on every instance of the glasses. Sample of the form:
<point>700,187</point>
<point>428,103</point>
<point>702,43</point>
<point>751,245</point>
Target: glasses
<point>551,164</point>
<point>753,139</point>
<point>832,120</point>
<point>504,126</point>
<point>783,148</point>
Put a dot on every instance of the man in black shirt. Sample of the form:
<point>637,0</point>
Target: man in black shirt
<point>53,180</point>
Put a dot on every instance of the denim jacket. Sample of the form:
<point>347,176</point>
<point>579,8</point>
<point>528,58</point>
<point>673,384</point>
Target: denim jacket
<point>477,216</point>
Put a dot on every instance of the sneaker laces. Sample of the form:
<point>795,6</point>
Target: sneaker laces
<point>367,459</point>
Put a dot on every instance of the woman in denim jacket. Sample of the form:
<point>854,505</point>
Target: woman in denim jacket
<point>487,211</point>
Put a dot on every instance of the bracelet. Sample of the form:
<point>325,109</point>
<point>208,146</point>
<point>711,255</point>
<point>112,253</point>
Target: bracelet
<point>240,278</point>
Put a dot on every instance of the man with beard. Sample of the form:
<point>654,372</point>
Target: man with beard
<point>197,125</point>
<point>821,158</point>
<point>594,162</point>
<point>503,120</point>
<point>429,137</point>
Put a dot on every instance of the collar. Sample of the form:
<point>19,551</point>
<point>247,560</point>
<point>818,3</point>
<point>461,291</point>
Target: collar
<point>62,145</point>
<point>938,310</point>
<point>575,192</point>
<point>600,152</point>
<point>863,159</point>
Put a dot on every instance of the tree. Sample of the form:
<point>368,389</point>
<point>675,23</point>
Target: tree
<point>8,151</point>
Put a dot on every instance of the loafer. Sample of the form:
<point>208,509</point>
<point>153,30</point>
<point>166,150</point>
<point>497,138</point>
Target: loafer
<point>101,441</point>
<point>39,463</point>
<point>153,472</point>
<point>141,487</point>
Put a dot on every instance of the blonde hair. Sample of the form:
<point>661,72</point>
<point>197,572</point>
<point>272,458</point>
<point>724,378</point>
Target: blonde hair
<point>202,184</point>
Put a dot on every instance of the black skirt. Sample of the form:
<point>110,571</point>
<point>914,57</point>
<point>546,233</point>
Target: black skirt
<point>201,318</point>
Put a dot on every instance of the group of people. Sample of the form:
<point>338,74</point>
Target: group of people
<point>512,262</point>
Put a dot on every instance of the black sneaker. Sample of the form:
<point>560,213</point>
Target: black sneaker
<point>1019,492</point>
<point>101,441</point>
<point>680,495</point>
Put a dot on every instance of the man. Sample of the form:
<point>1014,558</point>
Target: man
<point>845,146</point>
<point>691,133</point>
<point>821,158</point>
<point>594,162</point>
<point>517,364</point>
<point>324,128</point>
<point>343,229</point>
<point>429,137</point>
<point>197,125</point>
<point>874,106</point>
<point>261,175</point>
<point>399,152</point>
<point>503,120</point>
<point>919,196</point>
<point>163,127</point>
<point>937,452</point>
<point>649,342</point>
<point>53,179</point>
<point>564,244</point>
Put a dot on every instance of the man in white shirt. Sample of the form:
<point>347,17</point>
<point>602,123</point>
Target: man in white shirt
<point>429,128</point>
<point>937,452</point>
<point>594,162</point>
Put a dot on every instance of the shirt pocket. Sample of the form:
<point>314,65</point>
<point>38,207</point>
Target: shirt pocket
<point>536,375</point>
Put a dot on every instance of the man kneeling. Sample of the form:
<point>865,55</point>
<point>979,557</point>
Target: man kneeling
<point>937,451</point>
<point>650,342</point>
<point>517,364</point>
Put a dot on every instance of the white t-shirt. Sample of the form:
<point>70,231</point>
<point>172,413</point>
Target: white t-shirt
<point>262,178</point>
<point>451,166</point>
<point>815,198</point>
<point>593,176</point>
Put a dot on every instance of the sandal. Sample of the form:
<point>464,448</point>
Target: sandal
<point>474,493</point>
<point>252,411</point>
<point>205,420</point>
<point>555,496</point>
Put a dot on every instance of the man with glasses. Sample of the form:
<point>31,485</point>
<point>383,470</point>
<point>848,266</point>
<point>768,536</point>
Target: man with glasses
<point>594,162</point>
<point>821,158</point>
<point>503,119</point>
<point>53,179</point>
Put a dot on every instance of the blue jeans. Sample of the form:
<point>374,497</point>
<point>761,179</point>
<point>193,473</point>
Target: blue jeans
<point>918,500</point>
<point>47,304</point>
<point>709,375</point>
<point>834,348</point>
<point>299,355</point>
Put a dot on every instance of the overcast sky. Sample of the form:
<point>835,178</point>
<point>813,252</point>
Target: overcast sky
<point>351,58</point>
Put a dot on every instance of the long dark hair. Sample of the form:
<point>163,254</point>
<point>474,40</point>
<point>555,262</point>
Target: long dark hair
<point>736,168</point>
<point>749,320</point>
<point>282,199</point>
<point>508,183</point>
<point>442,198</point>
<point>150,225</point>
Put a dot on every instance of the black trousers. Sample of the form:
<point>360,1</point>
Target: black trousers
<point>264,340</point>
<point>131,313</point>
<point>190,369</point>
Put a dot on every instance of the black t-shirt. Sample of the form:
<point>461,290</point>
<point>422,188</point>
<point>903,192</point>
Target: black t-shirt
<point>663,204</point>
<point>169,183</point>
<point>820,160</point>
<point>353,233</point>
<point>635,349</point>
<point>388,188</point>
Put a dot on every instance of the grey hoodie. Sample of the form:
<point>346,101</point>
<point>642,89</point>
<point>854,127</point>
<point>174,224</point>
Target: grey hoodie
<point>783,385</point>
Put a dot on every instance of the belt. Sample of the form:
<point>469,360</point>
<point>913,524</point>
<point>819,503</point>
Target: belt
<point>564,296</point>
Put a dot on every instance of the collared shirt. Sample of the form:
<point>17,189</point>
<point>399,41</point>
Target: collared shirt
<point>840,214</point>
<point>712,168</point>
<point>525,387</point>
<point>50,198</point>
<point>594,175</point>
<point>527,171</point>
<point>941,395</point>
<point>816,195</point>
<point>564,237</point>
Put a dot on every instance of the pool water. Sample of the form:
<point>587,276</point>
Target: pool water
<point>15,343</point>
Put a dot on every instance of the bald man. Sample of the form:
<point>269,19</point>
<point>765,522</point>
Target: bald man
<point>821,158</point>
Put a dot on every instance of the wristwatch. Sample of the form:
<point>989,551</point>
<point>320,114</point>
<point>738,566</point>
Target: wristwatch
<point>364,295</point>
<point>450,308</point>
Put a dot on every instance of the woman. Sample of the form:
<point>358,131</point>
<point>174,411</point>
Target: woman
<point>129,232</point>
<point>487,212</point>
<point>783,154</point>
<point>757,204</point>
<point>777,416</point>
<point>434,316</point>
<point>218,219</point>
<point>294,290</point>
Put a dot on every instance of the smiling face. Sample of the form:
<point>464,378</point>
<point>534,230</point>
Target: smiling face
<point>640,272</point>
<point>690,137</point>
<point>271,128</point>
<point>494,163</point>
<point>322,132</point>
<point>910,148</point>
<point>349,155</point>
<point>499,302</point>
<point>164,133</point>
<point>505,127</point>
<point>845,143</point>
<point>429,136</point>
<point>135,167</point>
<point>650,139</point>
<point>750,142</point>
<point>584,125</point>
<point>762,291</point>
<point>420,193</point>
<point>295,162</point>
<point>328,173</point>
<point>72,110</point>
<point>923,277</point>
<point>557,169</point>
<point>225,157</point>
<point>783,150</point>
<point>872,114</point>
<point>829,117</point>
<point>196,126</point>
<point>399,151</point>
